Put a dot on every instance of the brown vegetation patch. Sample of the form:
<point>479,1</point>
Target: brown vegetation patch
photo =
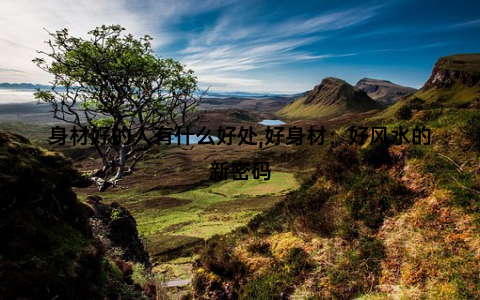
<point>433,247</point>
<point>159,203</point>
<point>164,247</point>
<point>243,204</point>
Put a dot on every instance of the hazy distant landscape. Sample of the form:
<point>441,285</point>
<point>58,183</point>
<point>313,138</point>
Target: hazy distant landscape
<point>8,96</point>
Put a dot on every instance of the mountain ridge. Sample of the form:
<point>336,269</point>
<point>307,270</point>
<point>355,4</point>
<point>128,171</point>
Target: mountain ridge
<point>384,91</point>
<point>333,97</point>
<point>23,85</point>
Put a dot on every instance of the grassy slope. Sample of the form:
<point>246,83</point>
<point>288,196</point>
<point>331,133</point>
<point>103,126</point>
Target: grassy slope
<point>406,227</point>
<point>156,212</point>
<point>298,109</point>
<point>457,95</point>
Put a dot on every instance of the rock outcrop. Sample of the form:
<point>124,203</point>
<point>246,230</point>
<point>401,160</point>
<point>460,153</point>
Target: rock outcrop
<point>114,227</point>
<point>461,68</point>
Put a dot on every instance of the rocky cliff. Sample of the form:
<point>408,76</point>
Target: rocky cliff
<point>461,68</point>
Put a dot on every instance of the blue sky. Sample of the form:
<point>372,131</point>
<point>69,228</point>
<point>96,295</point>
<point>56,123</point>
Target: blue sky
<point>259,46</point>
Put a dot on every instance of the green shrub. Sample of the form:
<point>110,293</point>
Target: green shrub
<point>265,288</point>
<point>416,151</point>
<point>374,196</point>
<point>217,256</point>
<point>259,247</point>
<point>341,159</point>
<point>376,155</point>
<point>296,261</point>
<point>356,270</point>
<point>307,208</point>
<point>404,113</point>
<point>431,115</point>
<point>416,103</point>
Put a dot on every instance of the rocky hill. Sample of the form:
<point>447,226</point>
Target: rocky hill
<point>461,68</point>
<point>333,97</point>
<point>52,246</point>
<point>454,82</point>
<point>383,91</point>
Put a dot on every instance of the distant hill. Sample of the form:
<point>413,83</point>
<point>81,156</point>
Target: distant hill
<point>263,105</point>
<point>333,97</point>
<point>383,91</point>
<point>22,86</point>
<point>211,94</point>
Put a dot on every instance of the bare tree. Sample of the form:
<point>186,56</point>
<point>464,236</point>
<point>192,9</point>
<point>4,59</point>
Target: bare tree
<point>116,82</point>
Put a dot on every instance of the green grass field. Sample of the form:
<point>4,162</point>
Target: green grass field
<point>174,222</point>
<point>205,211</point>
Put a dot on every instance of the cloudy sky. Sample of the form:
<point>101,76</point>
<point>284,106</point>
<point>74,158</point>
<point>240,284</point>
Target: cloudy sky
<point>258,45</point>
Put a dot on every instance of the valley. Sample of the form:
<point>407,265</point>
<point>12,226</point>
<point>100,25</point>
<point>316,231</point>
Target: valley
<point>334,221</point>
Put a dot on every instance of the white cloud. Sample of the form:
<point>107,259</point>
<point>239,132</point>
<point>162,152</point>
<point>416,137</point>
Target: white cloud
<point>22,24</point>
<point>221,55</point>
<point>325,22</point>
<point>230,46</point>
<point>469,24</point>
<point>23,21</point>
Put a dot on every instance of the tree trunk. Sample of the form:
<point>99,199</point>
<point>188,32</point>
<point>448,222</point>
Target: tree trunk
<point>121,163</point>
